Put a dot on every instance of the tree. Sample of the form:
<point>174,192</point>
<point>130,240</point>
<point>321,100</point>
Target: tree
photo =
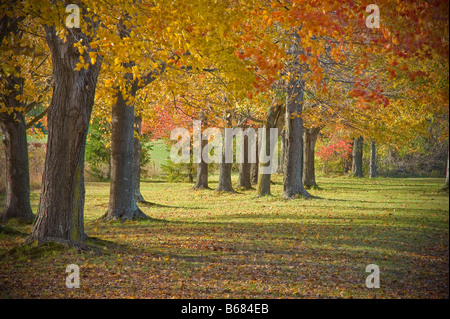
<point>447,174</point>
<point>60,215</point>
<point>357,157</point>
<point>373,160</point>
<point>244,181</point>
<point>225,184</point>
<point>274,119</point>
<point>18,76</point>
<point>202,166</point>
<point>309,143</point>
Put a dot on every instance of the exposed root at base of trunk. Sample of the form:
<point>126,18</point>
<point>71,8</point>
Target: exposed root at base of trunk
<point>116,215</point>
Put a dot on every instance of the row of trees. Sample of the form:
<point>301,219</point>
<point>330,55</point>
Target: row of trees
<point>300,66</point>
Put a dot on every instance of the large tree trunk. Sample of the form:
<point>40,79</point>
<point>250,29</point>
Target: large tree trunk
<point>137,159</point>
<point>17,168</point>
<point>244,181</point>
<point>225,184</point>
<point>373,160</point>
<point>357,157</point>
<point>202,166</point>
<point>122,201</point>
<point>292,170</point>
<point>309,140</point>
<point>274,119</point>
<point>60,216</point>
<point>15,139</point>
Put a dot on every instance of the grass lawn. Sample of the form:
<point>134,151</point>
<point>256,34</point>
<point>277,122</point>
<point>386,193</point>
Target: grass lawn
<point>207,245</point>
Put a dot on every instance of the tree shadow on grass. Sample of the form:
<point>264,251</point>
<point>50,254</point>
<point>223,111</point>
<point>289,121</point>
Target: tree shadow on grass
<point>151,204</point>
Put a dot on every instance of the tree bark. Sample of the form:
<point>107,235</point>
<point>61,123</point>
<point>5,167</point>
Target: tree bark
<point>60,216</point>
<point>122,200</point>
<point>309,141</point>
<point>447,175</point>
<point>357,157</point>
<point>225,184</point>
<point>263,188</point>
<point>137,159</point>
<point>282,151</point>
<point>202,166</point>
<point>292,170</point>
<point>244,181</point>
<point>17,168</point>
<point>373,160</point>
<point>274,119</point>
<point>15,138</point>
<point>254,167</point>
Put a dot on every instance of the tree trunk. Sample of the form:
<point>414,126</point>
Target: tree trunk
<point>17,168</point>
<point>244,181</point>
<point>137,159</point>
<point>274,119</point>
<point>225,184</point>
<point>60,216</point>
<point>292,170</point>
<point>309,140</point>
<point>373,160</point>
<point>264,179</point>
<point>202,166</point>
<point>357,157</point>
<point>122,200</point>
<point>254,166</point>
<point>15,138</point>
<point>447,175</point>
<point>282,151</point>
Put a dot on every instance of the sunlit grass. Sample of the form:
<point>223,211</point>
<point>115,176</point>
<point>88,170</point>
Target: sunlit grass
<point>206,245</point>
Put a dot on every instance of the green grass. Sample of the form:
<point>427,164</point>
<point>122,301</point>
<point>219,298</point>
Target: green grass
<point>206,245</point>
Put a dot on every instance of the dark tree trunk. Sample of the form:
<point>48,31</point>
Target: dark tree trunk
<point>137,159</point>
<point>122,201</point>
<point>357,157</point>
<point>292,170</point>
<point>202,166</point>
<point>225,184</point>
<point>373,160</point>
<point>254,166</point>
<point>264,179</point>
<point>282,151</point>
<point>15,139</point>
<point>17,168</point>
<point>274,119</point>
<point>60,216</point>
<point>244,181</point>
<point>309,141</point>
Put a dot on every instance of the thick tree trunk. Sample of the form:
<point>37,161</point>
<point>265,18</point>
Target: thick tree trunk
<point>225,184</point>
<point>60,216</point>
<point>292,170</point>
<point>357,157</point>
<point>17,168</point>
<point>309,141</point>
<point>264,179</point>
<point>254,167</point>
<point>15,139</point>
<point>137,160</point>
<point>373,160</point>
<point>274,119</point>
<point>202,166</point>
<point>244,181</point>
<point>122,201</point>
